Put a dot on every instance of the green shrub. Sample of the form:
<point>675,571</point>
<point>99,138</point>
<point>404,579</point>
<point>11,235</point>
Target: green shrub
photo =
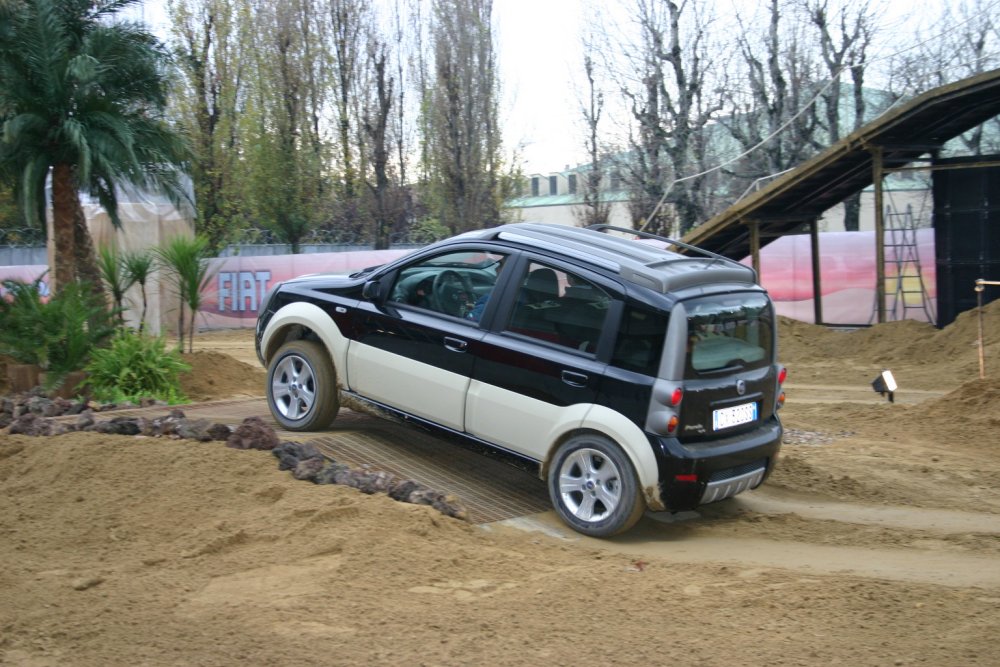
<point>136,366</point>
<point>58,335</point>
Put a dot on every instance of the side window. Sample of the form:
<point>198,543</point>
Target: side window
<point>559,307</point>
<point>640,340</point>
<point>457,283</point>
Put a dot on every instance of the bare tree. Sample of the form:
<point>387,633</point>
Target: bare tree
<point>845,34</point>
<point>769,92</point>
<point>596,209</point>
<point>973,49</point>
<point>671,106</point>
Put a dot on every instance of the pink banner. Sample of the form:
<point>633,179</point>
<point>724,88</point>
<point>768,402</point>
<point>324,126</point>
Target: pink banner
<point>25,273</point>
<point>847,278</point>
<point>240,283</point>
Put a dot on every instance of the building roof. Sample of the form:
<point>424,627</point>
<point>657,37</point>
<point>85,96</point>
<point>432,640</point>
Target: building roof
<point>904,134</point>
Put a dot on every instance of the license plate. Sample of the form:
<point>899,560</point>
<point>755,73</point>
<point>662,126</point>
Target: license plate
<point>734,416</point>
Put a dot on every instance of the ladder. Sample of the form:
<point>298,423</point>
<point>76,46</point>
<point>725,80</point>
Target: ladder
<point>905,288</point>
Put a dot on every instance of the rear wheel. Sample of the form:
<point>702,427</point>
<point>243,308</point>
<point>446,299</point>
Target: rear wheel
<point>302,387</point>
<point>593,486</point>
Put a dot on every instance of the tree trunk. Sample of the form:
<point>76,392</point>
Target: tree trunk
<point>65,201</point>
<point>85,255</point>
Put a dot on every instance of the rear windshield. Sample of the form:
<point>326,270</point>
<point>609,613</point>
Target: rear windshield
<point>728,333</point>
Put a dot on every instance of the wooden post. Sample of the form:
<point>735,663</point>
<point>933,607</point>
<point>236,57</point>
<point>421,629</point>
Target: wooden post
<point>877,177</point>
<point>816,281</point>
<point>754,226</point>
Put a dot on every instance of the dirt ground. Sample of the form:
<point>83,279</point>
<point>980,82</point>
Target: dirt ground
<point>876,542</point>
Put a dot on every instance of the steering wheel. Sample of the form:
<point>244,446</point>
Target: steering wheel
<point>452,293</point>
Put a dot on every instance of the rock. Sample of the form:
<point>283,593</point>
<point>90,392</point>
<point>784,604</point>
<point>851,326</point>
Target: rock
<point>39,405</point>
<point>309,468</point>
<point>450,505</point>
<point>402,488</point>
<point>23,424</point>
<point>33,425</point>
<point>194,429</point>
<point>444,503</point>
<point>219,432</point>
<point>328,474</point>
<point>253,433</point>
<point>290,453</point>
<point>84,583</point>
<point>119,426</point>
<point>372,482</point>
<point>161,426</point>
<point>84,420</point>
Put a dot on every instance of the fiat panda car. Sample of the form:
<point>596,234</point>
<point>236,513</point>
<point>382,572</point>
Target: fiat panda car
<point>637,378</point>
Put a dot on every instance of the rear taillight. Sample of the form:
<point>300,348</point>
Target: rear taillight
<point>782,376</point>
<point>676,397</point>
<point>672,424</point>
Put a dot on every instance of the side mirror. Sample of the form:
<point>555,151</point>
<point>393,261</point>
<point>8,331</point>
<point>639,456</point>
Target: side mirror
<point>372,291</point>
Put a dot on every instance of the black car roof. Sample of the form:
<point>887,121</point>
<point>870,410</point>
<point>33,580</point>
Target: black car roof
<point>645,263</point>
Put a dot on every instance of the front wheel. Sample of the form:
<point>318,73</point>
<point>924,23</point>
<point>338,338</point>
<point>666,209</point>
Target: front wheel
<point>593,486</point>
<point>302,387</point>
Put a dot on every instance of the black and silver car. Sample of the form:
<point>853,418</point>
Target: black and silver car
<point>634,376</point>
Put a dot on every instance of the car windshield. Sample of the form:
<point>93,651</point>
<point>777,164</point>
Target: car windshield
<point>729,333</point>
<point>471,259</point>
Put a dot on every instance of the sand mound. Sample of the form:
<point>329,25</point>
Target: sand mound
<point>976,400</point>
<point>214,376</point>
<point>905,341</point>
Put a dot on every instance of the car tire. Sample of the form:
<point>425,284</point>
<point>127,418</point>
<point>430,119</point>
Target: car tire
<point>593,486</point>
<point>302,387</point>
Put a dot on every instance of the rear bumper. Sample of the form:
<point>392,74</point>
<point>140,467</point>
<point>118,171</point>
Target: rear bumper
<point>698,473</point>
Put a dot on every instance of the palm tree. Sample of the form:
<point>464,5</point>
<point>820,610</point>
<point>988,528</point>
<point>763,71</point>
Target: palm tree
<point>138,267</point>
<point>111,264</point>
<point>84,98</point>
<point>186,261</point>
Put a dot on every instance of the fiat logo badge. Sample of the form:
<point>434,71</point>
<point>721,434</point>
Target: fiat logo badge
<point>741,387</point>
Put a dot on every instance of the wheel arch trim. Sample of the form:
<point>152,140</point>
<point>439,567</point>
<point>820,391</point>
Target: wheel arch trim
<point>311,317</point>
<point>604,421</point>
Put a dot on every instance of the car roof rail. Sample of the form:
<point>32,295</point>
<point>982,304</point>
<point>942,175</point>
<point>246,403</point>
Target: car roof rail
<point>680,244</point>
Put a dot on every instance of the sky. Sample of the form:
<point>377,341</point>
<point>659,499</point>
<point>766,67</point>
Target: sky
<point>540,57</point>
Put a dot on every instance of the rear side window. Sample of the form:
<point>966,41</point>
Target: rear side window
<point>640,340</point>
<point>559,307</point>
<point>728,333</point>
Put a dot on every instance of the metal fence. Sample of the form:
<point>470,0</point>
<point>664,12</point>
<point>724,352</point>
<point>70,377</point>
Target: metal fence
<point>21,247</point>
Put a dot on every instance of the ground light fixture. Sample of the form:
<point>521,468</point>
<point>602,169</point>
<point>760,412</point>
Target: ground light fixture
<point>885,384</point>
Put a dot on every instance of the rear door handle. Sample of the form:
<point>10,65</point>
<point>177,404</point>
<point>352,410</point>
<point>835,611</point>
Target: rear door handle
<point>455,344</point>
<point>574,379</point>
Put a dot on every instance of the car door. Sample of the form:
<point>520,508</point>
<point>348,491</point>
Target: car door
<point>541,354</point>
<point>412,351</point>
